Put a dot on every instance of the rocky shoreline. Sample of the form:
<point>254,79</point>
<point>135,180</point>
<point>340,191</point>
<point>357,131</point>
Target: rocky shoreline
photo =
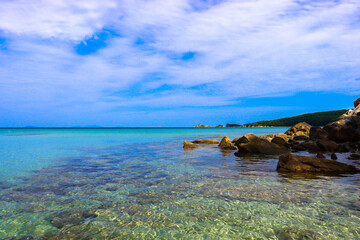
<point>341,136</point>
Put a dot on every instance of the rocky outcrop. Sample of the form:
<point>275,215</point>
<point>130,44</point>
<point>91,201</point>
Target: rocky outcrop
<point>259,146</point>
<point>188,145</point>
<point>227,144</point>
<point>219,126</point>
<point>347,127</point>
<point>340,131</point>
<point>317,133</point>
<point>357,102</point>
<point>278,140</point>
<point>206,141</point>
<point>299,164</point>
<point>202,126</point>
<point>299,129</point>
<point>327,145</point>
<point>246,138</point>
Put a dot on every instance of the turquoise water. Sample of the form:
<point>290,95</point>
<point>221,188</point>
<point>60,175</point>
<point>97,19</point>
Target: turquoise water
<point>141,184</point>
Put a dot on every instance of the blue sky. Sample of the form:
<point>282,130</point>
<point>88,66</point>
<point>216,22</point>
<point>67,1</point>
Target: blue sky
<point>175,63</point>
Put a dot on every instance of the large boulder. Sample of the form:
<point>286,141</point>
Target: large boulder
<point>246,138</point>
<point>327,145</point>
<point>357,102</point>
<point>227,144</point>
<point>297,164</point>
<point>260,146</point>
<point>189,145</point>
<point>278,140</point>
<point>299,129</point>
<point>317,133</point>
<point>206,141</point>
<point>340,131</point>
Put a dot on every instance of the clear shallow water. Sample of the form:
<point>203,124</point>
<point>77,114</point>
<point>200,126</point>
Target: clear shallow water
<point>141,184</point>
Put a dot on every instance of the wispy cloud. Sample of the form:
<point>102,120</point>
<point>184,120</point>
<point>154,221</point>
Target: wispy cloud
<point>181,53</point>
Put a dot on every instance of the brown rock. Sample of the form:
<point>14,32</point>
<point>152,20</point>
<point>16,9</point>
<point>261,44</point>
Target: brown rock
<point>317,133</point>
<point>354,156</point>
<point>261,146</point>
<point>320,155</point>
<point>311,147</point>
<point>301,138</point>
<point>299,129</point>
<point>246,138</point>
<point>206,141</point>
<point>189,145</point>
<point>282,135</point>
<point>340,132</point>
<point>227,144</point>
<point>296,163</point>
<point>327,145</point>
<point>333,156</point>
<point>278,140</point>
<point>298,147</point>
<point>357,102</point>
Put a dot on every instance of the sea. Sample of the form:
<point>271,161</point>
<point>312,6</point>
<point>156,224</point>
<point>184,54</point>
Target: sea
<point>139,183</point>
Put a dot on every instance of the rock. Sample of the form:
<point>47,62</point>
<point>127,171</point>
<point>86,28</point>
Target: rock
<point>269,139</point>
<point>299,129</point>
<point>327,145</point>
<point>201,126</point>
<point>357,102</point>
<point>189,145</point>
<point>298,147</point>
<point>301,138</point>
<point>320,155</point>
<point>311,147</point>
<point>260,146</point>
<point>354,156</point>
<point>283,136</point>
<point>246,138</point>
<point>333,156</point>
<point>343,148</point>
<point>219,136</point>
<point>219,126</point>
<point>206,141</point>
<point>227,144</point>
<point>278,140</point>
<point>296,163</point>
<point>235,139</point>
<point>317,133</point>
<point>340,132</point>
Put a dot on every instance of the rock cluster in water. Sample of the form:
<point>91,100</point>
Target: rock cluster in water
<point>341,136</point>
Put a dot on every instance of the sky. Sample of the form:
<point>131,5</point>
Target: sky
<point>128,63</point>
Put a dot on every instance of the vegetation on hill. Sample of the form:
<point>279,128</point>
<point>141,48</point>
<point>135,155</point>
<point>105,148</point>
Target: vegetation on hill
<point>314,119</point>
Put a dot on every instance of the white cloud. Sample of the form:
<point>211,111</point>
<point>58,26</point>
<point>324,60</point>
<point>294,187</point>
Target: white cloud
<point>242,48</point>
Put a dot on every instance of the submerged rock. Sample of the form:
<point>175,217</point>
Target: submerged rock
<point>296,163</point>
<point>299,129</point>
<point>206,141</point>
<point>227,144</point>
<point>189,145</point>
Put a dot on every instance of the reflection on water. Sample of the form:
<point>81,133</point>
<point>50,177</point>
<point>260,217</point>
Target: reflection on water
<point>156,190</point>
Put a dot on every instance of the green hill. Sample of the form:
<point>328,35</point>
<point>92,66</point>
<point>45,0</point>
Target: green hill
<point>314,119</point>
